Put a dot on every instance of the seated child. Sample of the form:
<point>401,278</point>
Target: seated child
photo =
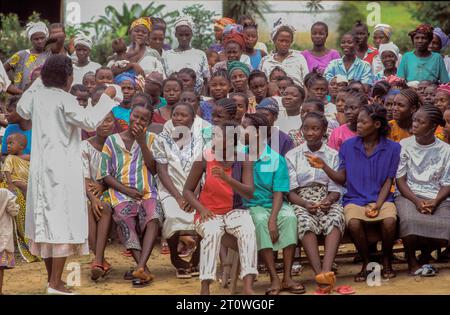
<point>126,167</point>
<point>15,167</point>
<point>219,211</point>
<point>99,209</point>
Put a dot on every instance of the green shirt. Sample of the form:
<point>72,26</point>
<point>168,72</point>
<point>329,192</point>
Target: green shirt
<point>270,174</point>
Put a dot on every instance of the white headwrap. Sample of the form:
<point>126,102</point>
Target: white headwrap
<point>278,24</point>
<point>413,84</point>
<point>341,79</point>
<point>82,39</point>
<point>385,28</point>
<point>184,20</point>
<point>389,47</point>
<point>38,27</point>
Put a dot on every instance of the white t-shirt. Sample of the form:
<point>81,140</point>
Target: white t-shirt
<point>79,72</point>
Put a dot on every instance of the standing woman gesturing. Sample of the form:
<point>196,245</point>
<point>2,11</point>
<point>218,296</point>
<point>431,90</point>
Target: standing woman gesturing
<point>56,220</point>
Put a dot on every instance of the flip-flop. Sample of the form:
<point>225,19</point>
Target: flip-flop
<point>345,290</point>
<point>97,271</point>
<point>128,275</point>
<point>388,273</point>
<point>183,273</point>
<point>294,289</point>
<point>361,276</point>
<point>269,291</point>
<point>426,271</point>
<point>323,291</point>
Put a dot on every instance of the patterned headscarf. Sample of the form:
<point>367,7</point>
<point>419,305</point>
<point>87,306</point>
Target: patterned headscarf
<point>235,65</point>
<point>445,40</point>
<point>234,37</point>
<point>279,24</point>
<point>125,76</point>
<point>221,23</point>
<point>82,39</point>
<point>38,27</point>
<point>444,88</point>
<point>269,104</point>
<point>184,20</point>
<point>145,21</point>
<point>385,28</point>
<point>424,29</point>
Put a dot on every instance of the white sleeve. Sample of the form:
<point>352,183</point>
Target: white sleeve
<point>5,82</point>
<point>25,104</point>
<point>87,118</point>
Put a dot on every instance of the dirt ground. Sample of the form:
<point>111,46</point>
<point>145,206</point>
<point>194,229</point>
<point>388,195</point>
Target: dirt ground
<point>31,278</point>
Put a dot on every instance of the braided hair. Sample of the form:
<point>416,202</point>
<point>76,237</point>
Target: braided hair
<point>361,98</point>
<point>378,113</point>
<point>229,105</point>
<point>412,97</point>
<point>313,77</point>
<point>434,114</point>
<point>319,116</point>
<point>316,102</point>
<point>257,120</point>
<point>380,89</point>
<point>257,74</point>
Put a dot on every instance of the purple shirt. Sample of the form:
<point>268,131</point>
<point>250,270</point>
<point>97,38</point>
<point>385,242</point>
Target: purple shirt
<point>320,62</point>
<point>366,174</point>
<point>284,145</point>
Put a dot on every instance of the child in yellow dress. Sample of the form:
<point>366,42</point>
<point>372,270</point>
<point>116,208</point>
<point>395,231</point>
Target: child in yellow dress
<point>16,165</point>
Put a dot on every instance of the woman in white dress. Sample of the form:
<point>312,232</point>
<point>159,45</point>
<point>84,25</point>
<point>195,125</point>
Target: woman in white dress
<point>56,220</point>
<point>184,56</point>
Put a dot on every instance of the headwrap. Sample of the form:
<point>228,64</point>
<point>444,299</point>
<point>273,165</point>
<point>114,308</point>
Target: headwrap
<point>155,77</point>
<point>445,40</point>
<point>393,79</point>
<point>424,29</point>
<point>145,21</point>
<point>269,104</point>
<point>38,27</point>
<point>81,39</point>
<point>341,79</point>
<point>413,84</point>
<point>444,88</point>
<point>277,25</point>
<point>234,37</point>
<point>221,23</point>
<point>126,76</point>
<point>393,92</point>
<point>184,20</point>
<point>385,28</point>
<point>389,47</point>
<point>234,65</point>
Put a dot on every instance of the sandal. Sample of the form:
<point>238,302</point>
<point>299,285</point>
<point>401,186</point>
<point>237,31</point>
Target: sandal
<point>297,288</point>
<point>183,273</point>
<point>107,268</point>
<point>127,253</point>
<point>272,291</point>
<point>388,273</point>
<point>165,248</point>
<point>195,271</point>
<point>361,276</point>
<point>325,278</point>
<point>426,271</point>
<point>97,272</point>
<point>128,275</point>
<point>345,290</point>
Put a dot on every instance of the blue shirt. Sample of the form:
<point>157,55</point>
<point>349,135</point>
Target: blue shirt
<point>285,143</point>
<point>15,128</point>
<point>431,68</point>
<point>255,59</point>
<point>360,70</point>
<point>270,174</point>
<point>366,174</point>
<point>206,108</point>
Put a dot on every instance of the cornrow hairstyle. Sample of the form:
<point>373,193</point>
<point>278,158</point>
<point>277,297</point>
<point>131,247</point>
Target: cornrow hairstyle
<point>191,109</point>
<point>434,114</point>
<point>360,97</point>
<point>319,116</point>
<point>277,68</point>
<point>189,72</point>
<point>148,104</point>
<point>173,78</point>
<point>257,120</point>
<point>77,88</point>
<point>300,90</point>
<point>316,102</point>
<point>220,73</point>
<point>320,23</point>
<point>243,95</point>
<point>257,74</point>
<point>412,97</point>
<point>313,77</point>
<point>380,89</point>
<point>229,105</point>
<point>378,113</point>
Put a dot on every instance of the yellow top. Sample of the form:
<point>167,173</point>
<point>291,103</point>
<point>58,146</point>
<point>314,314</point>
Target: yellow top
<point>17,167</point>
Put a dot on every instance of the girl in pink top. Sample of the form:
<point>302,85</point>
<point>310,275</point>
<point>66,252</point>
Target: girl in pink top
<point>353,104</point>
<point>319,57</point>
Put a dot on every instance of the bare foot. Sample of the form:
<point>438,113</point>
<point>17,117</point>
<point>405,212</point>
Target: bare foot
<point>205,287</point>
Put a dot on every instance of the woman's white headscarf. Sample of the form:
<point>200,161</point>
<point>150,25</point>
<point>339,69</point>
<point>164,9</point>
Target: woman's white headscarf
<point>278,24</point>
<point>82,39</point>
<point>184,20</point>
<point>389,47</point>
<point>36,27</point>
